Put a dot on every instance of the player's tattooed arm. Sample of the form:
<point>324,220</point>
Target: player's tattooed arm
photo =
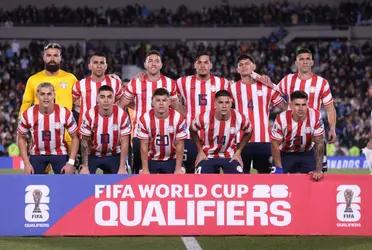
<point>85,146</point>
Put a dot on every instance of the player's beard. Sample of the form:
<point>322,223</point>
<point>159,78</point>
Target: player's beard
<point>52,67</point>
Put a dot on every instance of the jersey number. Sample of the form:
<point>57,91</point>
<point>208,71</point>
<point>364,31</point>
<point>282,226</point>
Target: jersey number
<point>203,99</point>
<point>46,135</point>
<point>105,138</point>
<point>162,140</point>
<point>297,141</point>
<point>221,139</point>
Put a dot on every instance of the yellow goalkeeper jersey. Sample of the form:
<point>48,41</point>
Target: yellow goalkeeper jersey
<point>63,82</point>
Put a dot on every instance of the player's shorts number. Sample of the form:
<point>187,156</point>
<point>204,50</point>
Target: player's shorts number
<point>162,140</point>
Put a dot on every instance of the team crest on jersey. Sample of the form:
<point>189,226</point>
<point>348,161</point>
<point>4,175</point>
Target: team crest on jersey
<point>170,129</point>
<point>312,89</point>
<point>115,127</point>
<point>57,125</point>
<point>63,85</point>
<point>232,130</point>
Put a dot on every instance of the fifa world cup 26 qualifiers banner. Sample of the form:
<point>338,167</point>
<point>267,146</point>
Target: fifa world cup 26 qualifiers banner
<point>185,205</point>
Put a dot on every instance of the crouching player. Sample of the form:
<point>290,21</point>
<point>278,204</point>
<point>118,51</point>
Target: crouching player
<point>161,131</point>
<point>105,136</point>
<point>220,135</point>
<point>297,139</point>
<point>47,123</point>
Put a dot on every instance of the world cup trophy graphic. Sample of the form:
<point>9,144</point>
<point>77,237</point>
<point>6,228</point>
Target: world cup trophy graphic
<point>37,194</point>
<point>348,194</point>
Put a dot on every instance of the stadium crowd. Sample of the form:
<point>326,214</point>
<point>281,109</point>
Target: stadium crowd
<point>224,14</point>
<point>344,63</point>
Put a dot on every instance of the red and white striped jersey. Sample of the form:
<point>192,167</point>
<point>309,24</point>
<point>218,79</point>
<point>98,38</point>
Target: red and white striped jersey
<point>316,87</point>
<point>219,139</point>
<point>141,91</point>
<point>198,95</point>
<point>47,130</point>
<point>105,132</point>
<point>254,102</point>
<point>162,133</point>
<point>296,136</point>
<point>87,90</point>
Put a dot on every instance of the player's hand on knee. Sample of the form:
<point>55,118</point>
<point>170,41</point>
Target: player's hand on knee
<point>237,157</point>
<point>68,169</point>
<point>84,170</point>
<point>316,175</point>
<point>122,170</point>
<point>29,169</point>
<point>200,157</point>
<point>180,170</point>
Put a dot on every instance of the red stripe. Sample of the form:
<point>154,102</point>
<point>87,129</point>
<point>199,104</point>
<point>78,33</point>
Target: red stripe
<point>239,102</point>
<point>115,141</point>
<point>95,137</point>
<point>172,135</point>
<point>250,112</point>
<point>322,94</point>
<point>308,135</point>
<point>221,133</point>
<point>292,85</point>
<point>260,112</point>
<point>212,94</point>
<point>47,128</point>
<point>312,93</point>
<point>288,136</point>
<point>36,129</point>
<point>300,124</point>
<point>192,97</point>
<point>230,143</point>
<point>153,134</point>
<point>210,132</point>
<point>88,93</point>
<point>58,138</point>
<point>105,146</point>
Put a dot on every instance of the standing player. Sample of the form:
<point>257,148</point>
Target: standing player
<point>253,99</point>
<point>47,122</point>
<point>86,89</point>
<point>61,80</point>
<point>140,91</point>
<point>198,96</point>
<point>105,135</point>
<point>295,135</point>
<point>162,131</point>
<point>220,135</point>
<point>316,87</point>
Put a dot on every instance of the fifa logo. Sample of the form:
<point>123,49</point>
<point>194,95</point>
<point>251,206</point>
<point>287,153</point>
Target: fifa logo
<point>37,200</point>
<point>348,199</point>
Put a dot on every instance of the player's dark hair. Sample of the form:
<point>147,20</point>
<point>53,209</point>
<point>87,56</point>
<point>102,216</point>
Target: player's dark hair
<point>244,57</point>
<point>222,92</point>
<point>303,51</point>
<point>105,88</point>
<point>299,95</point>
<point>97,53</point>
<point>202,53</point>
<point>160,92</point>
<point>153,52</point>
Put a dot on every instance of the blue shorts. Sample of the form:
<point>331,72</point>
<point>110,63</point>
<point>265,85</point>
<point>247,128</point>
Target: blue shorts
<point>213,165</point>
<point>302,162</point>
<point>189,156</point>
<point>108,164</point>
<point>162,167</point>
<point>40,162</point>
<point>259,154</point>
